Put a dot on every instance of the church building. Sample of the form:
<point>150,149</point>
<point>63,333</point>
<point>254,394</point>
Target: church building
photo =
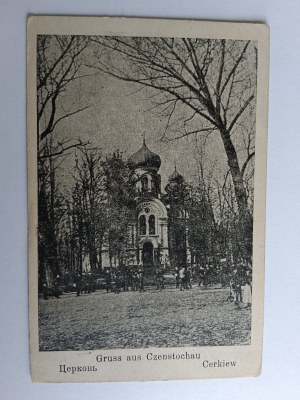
<point>152,238</point>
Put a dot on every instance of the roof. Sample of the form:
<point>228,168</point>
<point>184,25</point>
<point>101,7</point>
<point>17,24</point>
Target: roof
<point>176,176</point>
<point>145,158</point>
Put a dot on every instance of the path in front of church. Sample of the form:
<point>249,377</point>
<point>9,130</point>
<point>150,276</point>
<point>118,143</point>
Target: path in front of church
<point>167,318</point>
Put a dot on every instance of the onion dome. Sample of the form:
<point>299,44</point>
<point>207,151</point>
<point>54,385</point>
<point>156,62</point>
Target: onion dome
<point>144,158</point>
<point>176,177</point>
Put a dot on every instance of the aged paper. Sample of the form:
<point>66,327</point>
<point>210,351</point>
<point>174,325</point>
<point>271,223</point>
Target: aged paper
<point>147,147</point>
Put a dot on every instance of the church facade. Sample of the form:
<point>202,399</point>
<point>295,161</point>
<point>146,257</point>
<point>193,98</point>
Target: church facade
<point>151,236</point>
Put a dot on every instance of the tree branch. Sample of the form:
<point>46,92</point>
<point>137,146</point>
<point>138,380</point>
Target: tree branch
<point>234,67</point>
<point>47,131</point>
<point>240,112</point>
<point>63,149</point>
<point>250,156</point>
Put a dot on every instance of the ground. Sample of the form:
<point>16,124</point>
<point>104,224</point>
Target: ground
<point>167,318</point>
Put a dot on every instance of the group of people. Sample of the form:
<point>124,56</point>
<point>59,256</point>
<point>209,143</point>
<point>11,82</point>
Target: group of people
<point>240,287</point>
<point>117,279</point>
<point>183,278</point>
<point>56,288</point>
<point>84,283</point>
<point>80,282</point>
<point>132,278</point>
<point>123,279</point>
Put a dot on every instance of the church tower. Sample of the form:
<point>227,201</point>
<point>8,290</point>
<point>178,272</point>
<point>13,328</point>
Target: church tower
<point>146,164</point>
<point>149,232</point>
<point>179,250</point>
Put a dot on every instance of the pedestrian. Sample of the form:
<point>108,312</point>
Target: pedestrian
<point>107,280</point>
<point>201,276</point>
<point>237,287</point>
<point>86,284</point>
<point>135,280</point>
<point>141,280</point>
<point>177,279</point>
<point>67,281</point>
<point>113,283</point>
<point>45,290</point>
<point>247,294</point>
<point>159,278</point>
<point>57,286</point>
<point>231,291</point>
<point>78,281</point>
<point>182,274</point>
<point>188,276</point>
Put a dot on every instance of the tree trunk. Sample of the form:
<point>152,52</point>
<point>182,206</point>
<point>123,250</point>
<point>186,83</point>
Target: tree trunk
<point>93,257</point>
<point>100,256</point>
<point>53,239</point>
<point>245,219</point>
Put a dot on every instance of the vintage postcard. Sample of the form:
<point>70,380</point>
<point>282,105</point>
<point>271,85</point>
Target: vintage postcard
<point>147,152</point>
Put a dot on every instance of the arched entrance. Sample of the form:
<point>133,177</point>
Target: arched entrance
<point>147,254</point>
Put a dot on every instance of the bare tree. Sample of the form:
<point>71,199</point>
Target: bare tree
<point>51,212</point>
<point>90,203</point>
<point>59,64</point>
<point>209,86</point>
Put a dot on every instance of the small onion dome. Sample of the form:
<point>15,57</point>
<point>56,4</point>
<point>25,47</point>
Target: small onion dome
<point>144,158</point>
<point>176,177</point>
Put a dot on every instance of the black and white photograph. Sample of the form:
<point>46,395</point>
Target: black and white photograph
<point>150,184</point>
<point>145,192</point>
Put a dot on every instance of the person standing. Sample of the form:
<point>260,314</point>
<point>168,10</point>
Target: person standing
<point>57,286</point>
<point>135,280</point>
<point>231,290</point>
<point>107,280</point>
<point>160,277</point>
<point>141,280</point>
<point>201,276</point>
<point>78,283</point>
<point>177,280</point>
<point>45,290</point>
<point>237,287</point>
<point>182,275</point>
<point>67,281</point>
<point>247,294</point>
<point>188,277</point>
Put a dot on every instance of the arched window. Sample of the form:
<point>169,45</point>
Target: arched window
<point>144,183</point>
<point>153,184</point>
<point>142,222</point>
<point>152,225</point>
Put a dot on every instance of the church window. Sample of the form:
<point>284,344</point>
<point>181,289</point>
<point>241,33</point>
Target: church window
<point>142,221</point>
<point>153,185</point>
<point>144,183</point>
<point>152,225</point>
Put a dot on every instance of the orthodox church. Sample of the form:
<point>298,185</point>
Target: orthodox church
<point>152,238</point>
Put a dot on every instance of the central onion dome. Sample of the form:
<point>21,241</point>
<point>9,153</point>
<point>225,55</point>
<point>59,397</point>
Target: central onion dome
<point>144,158</point>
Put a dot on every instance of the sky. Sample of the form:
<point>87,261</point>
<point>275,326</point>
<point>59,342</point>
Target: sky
<point>119,117</point>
